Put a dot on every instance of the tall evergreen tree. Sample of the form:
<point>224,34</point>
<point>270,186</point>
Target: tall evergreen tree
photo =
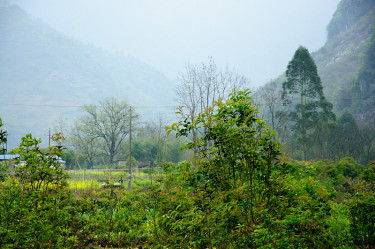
<point>303,89</point>
<point>3,139</point>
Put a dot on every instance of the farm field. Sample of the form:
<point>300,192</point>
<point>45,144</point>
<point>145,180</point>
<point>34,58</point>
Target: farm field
<point>95,179</point>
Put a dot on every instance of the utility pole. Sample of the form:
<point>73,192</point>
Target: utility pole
<point>130,150</point>
<point>49,137</point>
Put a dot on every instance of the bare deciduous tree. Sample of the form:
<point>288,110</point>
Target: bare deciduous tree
<point>200,85</point>
<point>85,146</point>
<point>269,98</point>
<point>159,136</point>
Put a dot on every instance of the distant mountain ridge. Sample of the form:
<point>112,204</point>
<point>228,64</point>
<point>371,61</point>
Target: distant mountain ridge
<point>40,66</point>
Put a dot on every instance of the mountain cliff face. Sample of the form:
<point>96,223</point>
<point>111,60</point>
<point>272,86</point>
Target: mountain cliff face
<point>347,15</point>
<point>342,58</point>
<point>346,63</point>
<point>39,66</point>
<point>346,54</point>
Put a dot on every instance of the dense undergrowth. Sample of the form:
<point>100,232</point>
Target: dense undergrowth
<point>238,191</point>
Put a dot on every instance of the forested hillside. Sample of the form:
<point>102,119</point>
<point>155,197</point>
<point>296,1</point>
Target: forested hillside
<point>345,68</point>
<point>346,59</point>
<point>344,62</point>
<point>39,66</point>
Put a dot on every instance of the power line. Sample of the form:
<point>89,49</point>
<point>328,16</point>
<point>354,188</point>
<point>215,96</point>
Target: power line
<point>330,100</point>
<point>369,97</point>
<point>80,106</point>
<point>160,107</point>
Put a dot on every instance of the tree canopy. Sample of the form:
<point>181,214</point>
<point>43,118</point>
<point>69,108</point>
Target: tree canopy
<point>303,91</point>
<point>105,123</point>
<point>3,137</point>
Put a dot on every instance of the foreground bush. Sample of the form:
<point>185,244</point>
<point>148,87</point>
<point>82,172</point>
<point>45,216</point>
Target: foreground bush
<point>36,210</point>
<point>236,192</point>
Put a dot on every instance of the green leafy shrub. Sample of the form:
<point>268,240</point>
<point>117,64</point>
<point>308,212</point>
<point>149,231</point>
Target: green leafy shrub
<point>348,167</point>
<point>338,226</point>
<point>115,218</point>
<point>238,193</point>
<point>369,173</point>
<point>36,208</point>
<point>362,217</point>
<point>300,220</point>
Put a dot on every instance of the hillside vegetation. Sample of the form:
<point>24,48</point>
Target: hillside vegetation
<point>237,191</point>
<point>346,56</point>
<point>285,167</point>
<point>346,69</point>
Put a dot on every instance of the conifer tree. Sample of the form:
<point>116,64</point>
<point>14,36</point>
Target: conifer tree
<point>3,138</point>
<point>303,91</point>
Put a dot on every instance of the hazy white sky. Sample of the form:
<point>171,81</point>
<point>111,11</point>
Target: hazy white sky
<point>257,37</point>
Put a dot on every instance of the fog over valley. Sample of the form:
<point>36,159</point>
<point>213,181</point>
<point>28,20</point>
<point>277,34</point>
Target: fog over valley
<point>256,37</point>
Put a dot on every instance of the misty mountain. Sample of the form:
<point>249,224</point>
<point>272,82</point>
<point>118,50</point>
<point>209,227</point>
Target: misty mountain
<point>40,66</point>
<point>346,56</point>
<point>343,57</point>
